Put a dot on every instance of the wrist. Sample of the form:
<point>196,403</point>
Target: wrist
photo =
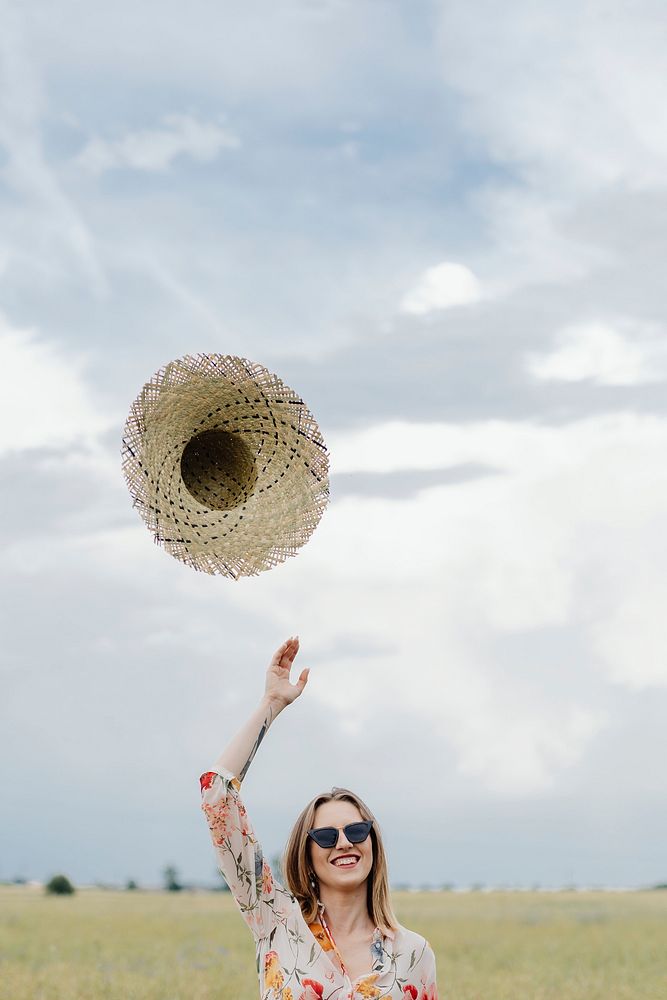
<point>272,704</point>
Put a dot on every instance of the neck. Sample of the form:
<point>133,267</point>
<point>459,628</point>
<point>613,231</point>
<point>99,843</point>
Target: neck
<point>346,912</point>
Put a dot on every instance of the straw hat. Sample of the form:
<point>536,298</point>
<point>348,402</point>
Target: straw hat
<point>225,464</point>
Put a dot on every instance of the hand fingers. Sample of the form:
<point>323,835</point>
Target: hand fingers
<point>277,656</point>
<point>290,651</point>
<point>284,655</point>
<point>303,679</point>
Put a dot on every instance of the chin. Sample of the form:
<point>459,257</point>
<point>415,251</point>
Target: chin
<point>342,879</point>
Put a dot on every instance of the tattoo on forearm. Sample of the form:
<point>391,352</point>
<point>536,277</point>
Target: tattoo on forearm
<point>260,736</point>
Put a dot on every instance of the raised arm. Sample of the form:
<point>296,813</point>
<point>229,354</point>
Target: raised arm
<point>260,899</point>
<point>278,693</point>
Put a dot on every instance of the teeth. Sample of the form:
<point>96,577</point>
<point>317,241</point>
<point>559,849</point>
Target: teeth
<point>345,861</point>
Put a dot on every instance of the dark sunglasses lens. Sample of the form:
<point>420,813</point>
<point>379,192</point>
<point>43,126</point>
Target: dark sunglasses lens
<point>325,836</point>
<point>356,833</point>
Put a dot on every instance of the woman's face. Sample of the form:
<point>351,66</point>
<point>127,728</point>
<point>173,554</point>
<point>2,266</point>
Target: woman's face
<point>344,865</point>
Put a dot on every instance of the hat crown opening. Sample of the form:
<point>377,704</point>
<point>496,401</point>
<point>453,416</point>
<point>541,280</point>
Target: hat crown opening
<point>218,469</point>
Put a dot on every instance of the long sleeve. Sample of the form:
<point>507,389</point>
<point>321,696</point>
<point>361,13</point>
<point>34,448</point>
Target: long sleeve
<point>427,975</point>
<point>239,854</point>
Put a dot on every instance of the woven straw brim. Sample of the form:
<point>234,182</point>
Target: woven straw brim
<point>225,464</point>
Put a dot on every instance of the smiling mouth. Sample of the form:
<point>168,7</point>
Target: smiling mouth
<point>345,861</point>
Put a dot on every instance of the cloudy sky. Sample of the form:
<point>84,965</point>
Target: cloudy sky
<point>443,223</point>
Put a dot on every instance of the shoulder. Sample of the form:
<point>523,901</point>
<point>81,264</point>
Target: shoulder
<point>407,942</point>
<point>408,938</point>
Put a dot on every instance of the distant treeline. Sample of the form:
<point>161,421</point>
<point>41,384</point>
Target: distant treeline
<point>61,884</point>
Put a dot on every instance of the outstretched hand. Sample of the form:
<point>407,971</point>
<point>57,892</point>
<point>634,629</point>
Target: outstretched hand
<point>279,690</point>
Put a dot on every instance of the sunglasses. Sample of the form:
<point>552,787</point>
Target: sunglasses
<point>327,836</point>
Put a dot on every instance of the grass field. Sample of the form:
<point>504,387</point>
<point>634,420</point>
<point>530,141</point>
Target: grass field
<point>188,946</point>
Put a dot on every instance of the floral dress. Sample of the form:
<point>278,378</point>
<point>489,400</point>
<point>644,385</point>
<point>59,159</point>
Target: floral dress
<point>295,960</point>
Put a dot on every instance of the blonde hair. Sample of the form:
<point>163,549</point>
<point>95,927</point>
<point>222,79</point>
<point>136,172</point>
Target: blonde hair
<point>298,871</point>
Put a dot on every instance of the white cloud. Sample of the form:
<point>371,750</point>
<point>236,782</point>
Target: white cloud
<point>598,352</point>
<point>570,92</point>
<point>43,220</point>
<point>525,755</point>
<point>44,401</point>
<point>631,642</point>
<point>441,287</point>
<point>261,50</point>
<point>402,445</point>
<point>549,546</point>
<point>156,149</point>
<point>571,104</point>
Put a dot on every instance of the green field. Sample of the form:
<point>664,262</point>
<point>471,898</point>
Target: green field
<point>194,946</point>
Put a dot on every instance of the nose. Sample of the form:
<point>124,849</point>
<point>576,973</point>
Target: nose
<point>342,839</point>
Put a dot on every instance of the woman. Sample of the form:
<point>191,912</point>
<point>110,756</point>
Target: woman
<point>331,933</point>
